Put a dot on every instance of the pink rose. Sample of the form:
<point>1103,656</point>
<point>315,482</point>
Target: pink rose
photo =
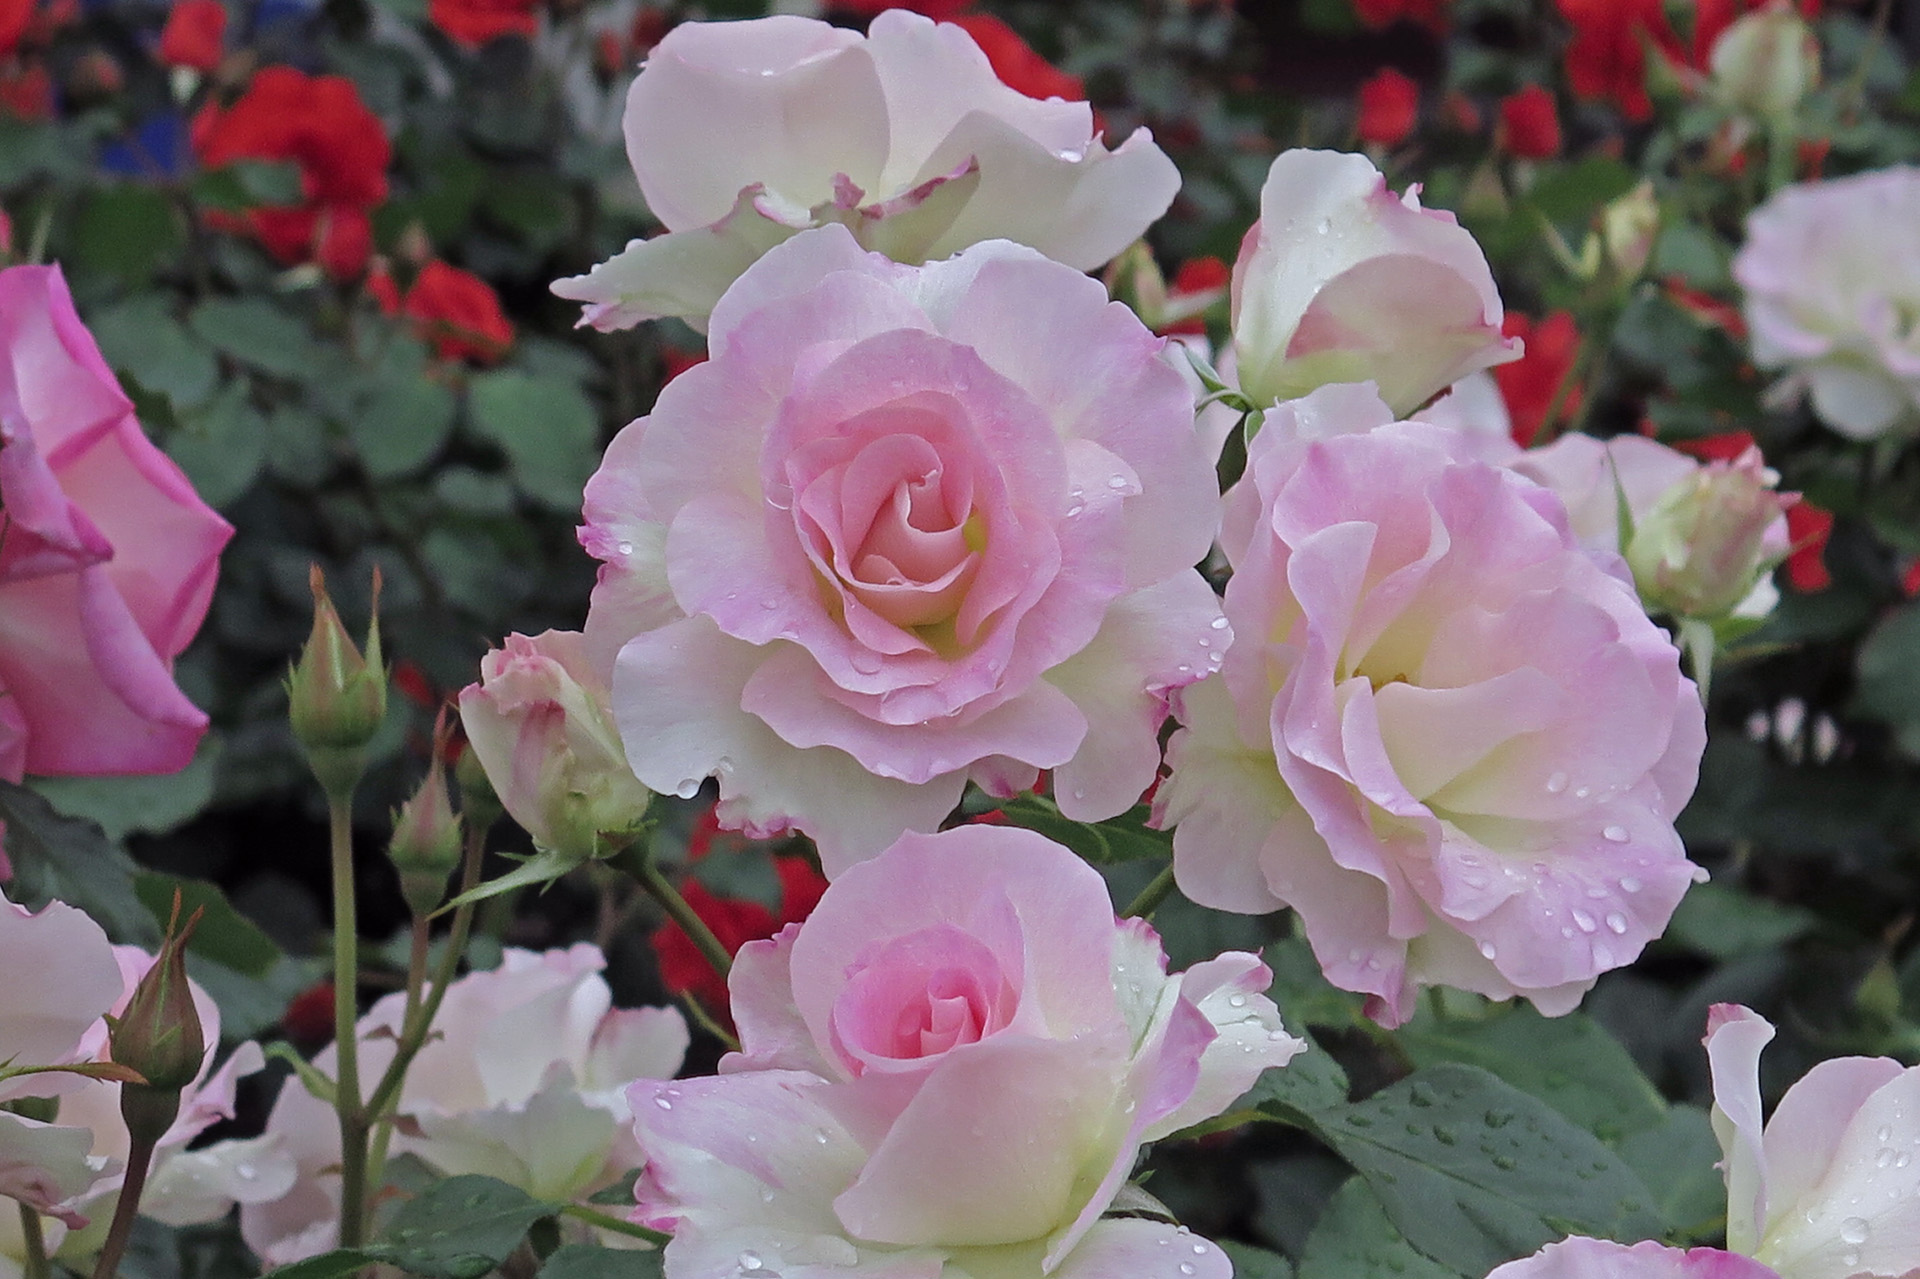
<point>1580,1258</point>
<point>540,724</point>
<point>1342,281</point>
<point>909,525</point>
<point>1825,1190</point>
<point>1448,737</point>
<point>954,1059</point>
<point>108,559</point>
<point>521,1080</point>
<point>743,133</point>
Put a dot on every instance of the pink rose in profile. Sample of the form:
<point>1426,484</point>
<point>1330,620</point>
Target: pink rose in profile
<point>107,560</point>
<point>744,133</point>
<point>540,725</point>
<point>908,526</point>
<point>1825,1189</point>
<point>1580,1258</point>
<point>1342,281</point>
<point>522,1080</point>
<point>952,1062</point>
<point>1447,736</point>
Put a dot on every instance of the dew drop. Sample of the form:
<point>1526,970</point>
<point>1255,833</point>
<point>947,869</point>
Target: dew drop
<point>1885,1133</point>
<point>1556,783</point>
<point>1325,226</point>
<point>247,1172</point>
<point>663,1103</point>
<point>750,1261</point>
<point>1614,834</point>
<point>769,605</point>
<point>1583,792</point>
<point>1236,1001</point>
<point>1583,919</point>
<point>1075,509</point>
<point>1117,482</point>
<point>1854,1230</point>
<point>1186,1268</point>
<point>1218,623</point>
<point>1487,950</point>
<point>1199,1250</point>
<point>1903,1160</point>
<point>820,1135</point>
<point>1628,884</point>
<point>1884,1159</point>
<point>1616,923</point>
<point>866,662</point>
<point>688,788</point>
<point>626,548</point>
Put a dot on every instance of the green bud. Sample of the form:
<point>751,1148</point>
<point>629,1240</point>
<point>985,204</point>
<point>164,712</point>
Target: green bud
<point>480,805</point>
<point>158,1034</point>
<point>337,697</point>
<point>426,834</point>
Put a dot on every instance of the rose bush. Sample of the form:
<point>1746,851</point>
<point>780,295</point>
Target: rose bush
<point>1447,737</point>
<point>949,1068</point>
<point>908,526</point>
<point>743,133</point>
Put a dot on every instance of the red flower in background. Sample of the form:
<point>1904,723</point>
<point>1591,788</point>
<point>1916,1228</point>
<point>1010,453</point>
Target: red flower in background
<point>320,124</point>
<point>1712,17</point>
<point>1014,60</point>
<point>455,310</point>
<point>1607,60</point>
<point>1431,14</point>
<point>938,10</point>
<point>1389,108</point>
<point>1200,281</point>
<point>1530,124</point>
<point>195,35</point>
<point>734,922</point>
<point>27,91</point>
<point>14,16</point>
<point>1529,384</point>
<point>475,22</point>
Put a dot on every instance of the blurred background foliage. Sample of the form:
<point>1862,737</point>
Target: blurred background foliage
<point>375,410</point>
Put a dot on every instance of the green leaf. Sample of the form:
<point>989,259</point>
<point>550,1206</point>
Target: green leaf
<point>71,860</point>
<point>127,230</point>
<point>584,1261</point>
<point>125,806</point>
<point>1569,1062</point>
<point>546,427</point>
<point>1676,1160</point>
<point>328,1265</point>
<point>1354,1239</point>
<point>404,419</point>
<point>1123,838</point>
<point>141,338</point>
<point>223,446</point>
<point>257,333</point>
<point>1302,992</point>
<point>1309,1084</point>
<point>460,1229</point>
<point>1572,194</point>
<point>1250,1262</point>
<point>1725,923</point>
<point>1475,1172</point>
<point>224,936</point>
<point>1885,689</point>
<point>246,184</point>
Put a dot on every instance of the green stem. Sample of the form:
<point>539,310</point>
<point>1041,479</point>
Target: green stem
<point>35,1266</point>
<point>416,982</point>
<point>1151,896</point>
<point>346,976</point>
<point>139,1160</point>
<point>638,862</point>
<point>606,1221</point>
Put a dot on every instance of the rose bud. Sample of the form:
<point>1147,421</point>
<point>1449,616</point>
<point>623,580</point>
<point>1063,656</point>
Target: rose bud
<point>337,696</point>
<point>1765,63</point>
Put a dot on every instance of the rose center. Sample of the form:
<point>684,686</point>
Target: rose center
<point>915,997</point>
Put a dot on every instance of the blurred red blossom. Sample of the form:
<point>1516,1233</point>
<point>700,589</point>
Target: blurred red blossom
<point>1389,108</point>
<point>320,124</point>
<point>1529,384</point>
<point>475,22</point>
<point>455,310</point>
<point>1607,59</point>
<point>14,16</point>
<point>1530,124</point>
<point>1015,62</point>
<point>1198,278</point>
<point>938,10</point>
<point>195,35</point>
<point>1431,14</point>
<point>1809,527</point>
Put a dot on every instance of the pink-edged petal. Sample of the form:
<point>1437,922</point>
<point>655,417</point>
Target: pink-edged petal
<point>677,694</point>
<point>1152,642</point>
<point>1581,1258</point>
<point>792,268</point>
<point>47,1166</point>
<point>1142,1249</point>
<point>1225,802</point>
<point>1230,992</point>
<point>1735,1036</point>
<point>760,989</point>
<point>636,1043</point>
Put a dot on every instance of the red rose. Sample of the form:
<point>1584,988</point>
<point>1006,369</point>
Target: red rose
<point>14,16</point>
<point>1808,527</point>
<point>320,124</point>
<point>194,35</point>
<point>1530,124</point>
<point>1607,59</point>
<point>938,10</point>
<point>1529,384</point>
<point>1389,108</point>
<point>27,91</point>
<point>455,310</point>
<point>475,22</point>
<point>1431,14</point>
<point>1015,62</point>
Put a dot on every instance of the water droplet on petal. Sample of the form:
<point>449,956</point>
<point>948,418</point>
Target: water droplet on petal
<point>1487,950</point>
<point>1614,834</point>
<point>688,788</point>
<point>1218,623</point>
<point>750,1261</point>
<point>1556,783</point>
<point>1236,1000</point>
<point>1583,792</point>
<point>663,1103</point>
<point>866,662</point>
<point>246,1172</point>
<point>820,1135</point>
<point>626,548</point>
<point>1628,884</point>
<point>1583,919</point>
<point>1855,1230</point>
<point>1885,1133</point>
<point>1884,1159</point>
<point>1616,923</point>
<point>1186,1268</point>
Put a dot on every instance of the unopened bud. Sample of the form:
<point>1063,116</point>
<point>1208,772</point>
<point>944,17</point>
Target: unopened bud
<point>158,1034</point>
<point>1706,545</point>
<point>1765,63</point>
<point>1629,225</point>
<point>337,697</point>
<point>480,806</point>
<point>426,834</point>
